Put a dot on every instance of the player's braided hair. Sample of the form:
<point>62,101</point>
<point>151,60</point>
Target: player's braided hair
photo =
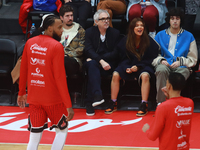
<point>49,21</point>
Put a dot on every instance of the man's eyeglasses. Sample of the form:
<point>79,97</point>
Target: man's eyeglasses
<point>105,19</point>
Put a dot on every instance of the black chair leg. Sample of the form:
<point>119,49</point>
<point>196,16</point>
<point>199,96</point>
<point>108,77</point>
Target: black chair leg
<point>83,92</point>
<point>26,35</point>
<point>11,93</point>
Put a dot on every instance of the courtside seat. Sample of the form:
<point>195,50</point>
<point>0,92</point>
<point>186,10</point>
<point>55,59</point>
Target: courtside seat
<point>173,1</point>
<point>193,84</point>
<point>193,81</point>
<point>130,89</point>
<point>8,57</point>
<point>77,88</point>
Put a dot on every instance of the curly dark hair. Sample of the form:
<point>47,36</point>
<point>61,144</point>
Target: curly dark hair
<point>175,12</point>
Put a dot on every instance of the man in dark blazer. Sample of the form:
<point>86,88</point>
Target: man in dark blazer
<point>100,52</point>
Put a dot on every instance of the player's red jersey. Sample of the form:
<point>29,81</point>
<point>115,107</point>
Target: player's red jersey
<point>172,124</point>
<point>42,68</point>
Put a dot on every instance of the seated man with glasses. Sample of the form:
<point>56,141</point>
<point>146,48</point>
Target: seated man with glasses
<point>100,52</point>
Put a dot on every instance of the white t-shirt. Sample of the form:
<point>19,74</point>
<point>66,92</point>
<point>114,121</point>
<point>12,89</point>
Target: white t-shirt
<point>103,37</point>
<point>172,43</point>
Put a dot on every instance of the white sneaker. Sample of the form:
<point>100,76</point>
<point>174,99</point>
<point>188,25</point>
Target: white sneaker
<point>97,103</point>
<point>152,34</point>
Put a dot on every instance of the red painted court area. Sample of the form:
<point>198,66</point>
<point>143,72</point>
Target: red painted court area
<point>122,128</point>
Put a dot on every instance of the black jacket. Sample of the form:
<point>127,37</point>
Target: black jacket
<point>92,43</point>
<point>127,59</point>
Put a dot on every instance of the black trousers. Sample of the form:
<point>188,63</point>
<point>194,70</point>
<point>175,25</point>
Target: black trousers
<point>71,66</point>
<point>94,74</point>
<point>82,10</point>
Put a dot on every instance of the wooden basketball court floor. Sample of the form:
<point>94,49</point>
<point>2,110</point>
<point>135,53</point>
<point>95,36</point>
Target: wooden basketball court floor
<point>75,147</point>
<point>48,147</point>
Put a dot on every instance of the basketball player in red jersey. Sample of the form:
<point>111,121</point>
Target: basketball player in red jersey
<point>42,70</point>
<point>173,117</point>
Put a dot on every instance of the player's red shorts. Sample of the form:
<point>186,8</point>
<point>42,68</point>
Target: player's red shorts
<point>39,114</point>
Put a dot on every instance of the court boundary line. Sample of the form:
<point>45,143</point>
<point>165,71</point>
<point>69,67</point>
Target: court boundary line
<point>153,148</point>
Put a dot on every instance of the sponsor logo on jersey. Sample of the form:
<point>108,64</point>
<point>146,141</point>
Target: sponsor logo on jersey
<point>35,61</point>
<point>36,49</point>
<point>38,83</point>
<point>181,110</point>
<point>37,73</point>
<point>181,140</point>
<point>182,122</point>
<point>183,144</point>
<point>63,124</point>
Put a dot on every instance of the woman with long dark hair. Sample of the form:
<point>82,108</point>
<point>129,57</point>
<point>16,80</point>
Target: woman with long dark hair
<point>137,51</point>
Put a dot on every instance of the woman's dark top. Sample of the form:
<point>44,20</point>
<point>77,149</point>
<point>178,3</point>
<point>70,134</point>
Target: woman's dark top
<point>128,59</point>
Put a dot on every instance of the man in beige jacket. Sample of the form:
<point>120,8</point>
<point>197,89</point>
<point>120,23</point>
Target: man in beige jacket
<point>73,40</point>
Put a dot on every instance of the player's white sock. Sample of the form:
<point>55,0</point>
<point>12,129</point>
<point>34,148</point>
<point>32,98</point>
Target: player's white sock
<point>34,141</point>
<point>59,140</point>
